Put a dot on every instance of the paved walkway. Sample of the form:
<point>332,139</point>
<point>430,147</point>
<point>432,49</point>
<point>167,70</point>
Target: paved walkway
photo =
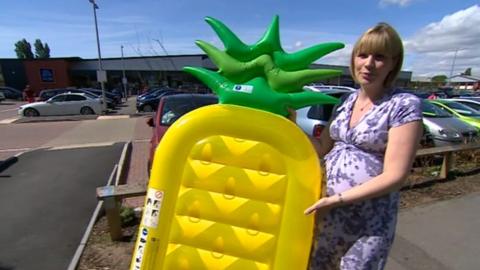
<point>440,236</point>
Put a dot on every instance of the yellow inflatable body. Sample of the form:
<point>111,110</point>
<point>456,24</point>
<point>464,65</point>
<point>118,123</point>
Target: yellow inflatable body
<point>227,191</point>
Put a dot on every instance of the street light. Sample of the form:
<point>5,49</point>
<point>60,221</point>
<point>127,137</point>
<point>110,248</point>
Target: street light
<point>124,79</point>
<point>453,67</point>
<point>101,74</point>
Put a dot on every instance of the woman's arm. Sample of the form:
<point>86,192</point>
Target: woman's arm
<point>324,144</point>
<point>402,145</point>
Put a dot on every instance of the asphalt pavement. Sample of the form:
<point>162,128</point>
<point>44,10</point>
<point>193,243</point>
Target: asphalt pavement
<point>46,201</point>
<point>440,236</point>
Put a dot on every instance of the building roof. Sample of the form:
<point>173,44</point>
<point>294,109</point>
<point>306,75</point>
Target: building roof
<point>463,79</point>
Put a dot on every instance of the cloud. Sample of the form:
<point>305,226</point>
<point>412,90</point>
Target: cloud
<point>455,37</point>
<point>401,3</point>
<point>340,57</point>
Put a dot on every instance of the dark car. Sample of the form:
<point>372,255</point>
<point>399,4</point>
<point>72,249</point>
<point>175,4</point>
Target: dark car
<point>170,109</point>
<point>149,103</point>
<point>150,91</point>
<point>11,93</point>
<point>117,99</point>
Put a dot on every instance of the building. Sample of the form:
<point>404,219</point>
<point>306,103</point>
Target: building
<point>464,82</point>
<point>140,72</point>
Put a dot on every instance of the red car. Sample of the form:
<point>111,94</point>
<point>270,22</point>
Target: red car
<point>169,110</point>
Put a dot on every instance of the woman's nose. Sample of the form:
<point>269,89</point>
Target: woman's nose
<point>369,61</point>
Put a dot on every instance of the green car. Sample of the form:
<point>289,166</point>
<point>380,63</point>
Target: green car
<point>462,112</point>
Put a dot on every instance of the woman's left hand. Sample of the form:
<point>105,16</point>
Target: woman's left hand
<point>322,206</point>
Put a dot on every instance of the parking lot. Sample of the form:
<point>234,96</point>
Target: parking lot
<point>48,196</point>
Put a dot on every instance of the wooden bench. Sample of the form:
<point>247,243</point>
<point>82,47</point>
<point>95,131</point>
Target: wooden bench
<point>112,195</point>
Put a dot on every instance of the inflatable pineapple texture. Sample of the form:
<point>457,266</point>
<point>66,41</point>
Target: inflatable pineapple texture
<point>230,181</point>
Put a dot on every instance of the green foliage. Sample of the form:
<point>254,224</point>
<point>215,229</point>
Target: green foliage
<point>41,51</point>
<point>439,78</point>
<point>23,49</point>
<point>127,216</point>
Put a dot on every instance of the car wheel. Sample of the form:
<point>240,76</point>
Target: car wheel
<point>147,108</point>
<point>29,112</point>
<point>86,110</point>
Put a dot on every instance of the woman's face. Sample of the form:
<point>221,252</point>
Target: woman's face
<point>372,69</point>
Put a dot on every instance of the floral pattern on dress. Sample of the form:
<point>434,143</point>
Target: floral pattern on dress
<point>359,236</point>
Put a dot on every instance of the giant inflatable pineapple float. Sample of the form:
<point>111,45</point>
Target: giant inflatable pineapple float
<point>230,181</point>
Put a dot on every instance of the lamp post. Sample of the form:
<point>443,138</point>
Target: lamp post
<point>124,79</point>
<point>101,74</point>
<point>453,67</point>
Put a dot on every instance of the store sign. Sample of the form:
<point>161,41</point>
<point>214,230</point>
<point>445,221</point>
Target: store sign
<point>46,75</point>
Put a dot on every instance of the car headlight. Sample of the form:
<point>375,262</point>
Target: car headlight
<point>449,133</point>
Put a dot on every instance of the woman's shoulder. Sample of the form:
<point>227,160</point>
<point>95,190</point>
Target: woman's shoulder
<point>403,97</point>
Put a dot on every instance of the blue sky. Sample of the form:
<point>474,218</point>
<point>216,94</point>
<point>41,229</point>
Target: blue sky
<point>432,30</point>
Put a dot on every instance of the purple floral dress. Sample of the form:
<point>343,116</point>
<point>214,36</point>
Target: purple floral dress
<point>359,236</point>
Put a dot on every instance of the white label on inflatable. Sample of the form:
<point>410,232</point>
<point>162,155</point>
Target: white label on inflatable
<point>152,208</point>
<point>139,250</point>
<point>243,88</point>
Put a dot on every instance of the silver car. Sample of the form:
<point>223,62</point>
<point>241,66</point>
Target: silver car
<point>445,128</point>
<point>313,119</point>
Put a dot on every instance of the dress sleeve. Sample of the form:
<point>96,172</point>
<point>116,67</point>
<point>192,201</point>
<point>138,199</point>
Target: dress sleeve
<point>407,109</point>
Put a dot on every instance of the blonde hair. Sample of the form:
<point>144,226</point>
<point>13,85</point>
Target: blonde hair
<point>381,38</point>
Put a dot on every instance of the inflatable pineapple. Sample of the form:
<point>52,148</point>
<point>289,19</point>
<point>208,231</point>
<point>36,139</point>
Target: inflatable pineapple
<point>230,181</point>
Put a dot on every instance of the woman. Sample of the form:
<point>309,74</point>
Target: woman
<point>368,151</point>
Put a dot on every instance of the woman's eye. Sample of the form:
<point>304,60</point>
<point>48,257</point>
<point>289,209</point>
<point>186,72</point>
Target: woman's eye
<point>379,57</point>
<point>362,55</point>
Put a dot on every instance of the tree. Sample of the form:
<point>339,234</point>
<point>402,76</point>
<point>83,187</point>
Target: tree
<point>23,49</point>
<point>41,51</point>
<point>439,79</point>
<point>468,72</point>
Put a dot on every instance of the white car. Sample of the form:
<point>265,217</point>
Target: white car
<point>327,89</point>
<point>63,104</point>
<point>313,119</point>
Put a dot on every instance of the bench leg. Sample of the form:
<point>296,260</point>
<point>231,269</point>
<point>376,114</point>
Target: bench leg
<point>446,165</point>
<point>113,217</point>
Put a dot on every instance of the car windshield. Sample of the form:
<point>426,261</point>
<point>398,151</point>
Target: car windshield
<point>90,95</point>
<point>462,109</point>
<point>430,110</point>
<point>174,108</point>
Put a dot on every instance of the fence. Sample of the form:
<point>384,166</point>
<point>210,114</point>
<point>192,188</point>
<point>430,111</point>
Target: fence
<point>113,195</point>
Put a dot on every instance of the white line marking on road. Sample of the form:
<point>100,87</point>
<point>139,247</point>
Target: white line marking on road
<point>8,120</point>
<point>73,146</point>
<point>141,140</point>
<point>15,150</point>
<point>110,117</point>
<point>9,110</point>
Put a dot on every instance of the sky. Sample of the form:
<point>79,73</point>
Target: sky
<point>438,35</point>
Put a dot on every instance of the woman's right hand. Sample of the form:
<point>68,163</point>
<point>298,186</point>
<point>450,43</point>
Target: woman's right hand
<point>292,115</point>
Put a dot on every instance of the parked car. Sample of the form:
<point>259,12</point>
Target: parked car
<point>462,112</point>
<point>11,93</point>
<point>2,96</point>
<point>46,94</point>
<point>472,103</point>
<point>149,103</point>
<point>172,107</point>
<point>110,103</point>
<point>115,98</point>
<point>313,119</point>
<point>328,88</point>
<point>62,104</point>
<point>149,91</point>
<point>444,127</point>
